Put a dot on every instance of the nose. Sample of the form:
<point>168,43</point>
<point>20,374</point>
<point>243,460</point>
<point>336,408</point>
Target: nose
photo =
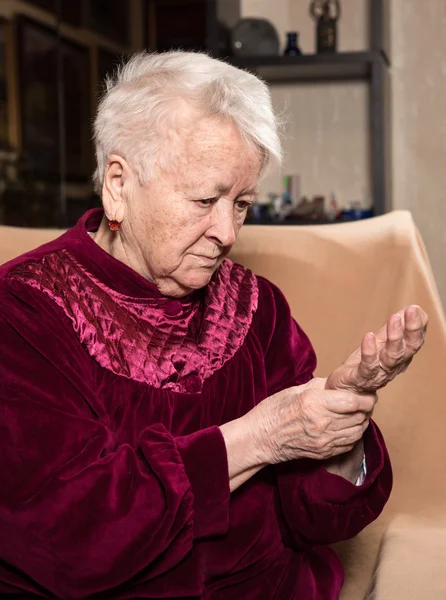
<point>223,230</point>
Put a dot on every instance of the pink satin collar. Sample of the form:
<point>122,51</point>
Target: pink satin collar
<point>129,328</point>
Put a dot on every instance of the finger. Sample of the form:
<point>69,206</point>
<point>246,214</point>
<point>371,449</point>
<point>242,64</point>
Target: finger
<point>381,335</point>
<point>415,328</point>
<point>344,402</point>
<point>341,422</point>
<point>369,356</point>
<point>342,450</point>
<point>393,352</point>
<point>352,435</point>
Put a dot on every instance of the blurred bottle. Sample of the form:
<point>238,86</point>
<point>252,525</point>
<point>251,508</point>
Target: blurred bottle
<point>326,13</point>
<point>356,210</point>
<point>292,47</point>
<point>332,209</point>
<point>291,185</point>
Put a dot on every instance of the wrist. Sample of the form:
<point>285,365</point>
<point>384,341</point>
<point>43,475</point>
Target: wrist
<point>348,465</point>
<point>242,446</point>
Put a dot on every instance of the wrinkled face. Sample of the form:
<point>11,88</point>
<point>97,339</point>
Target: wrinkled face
<point>184,221</point>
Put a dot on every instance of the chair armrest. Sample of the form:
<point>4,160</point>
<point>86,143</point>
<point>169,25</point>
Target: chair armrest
<point>412,561</point>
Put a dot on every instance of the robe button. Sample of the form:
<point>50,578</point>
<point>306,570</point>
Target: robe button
<point>173,308</point>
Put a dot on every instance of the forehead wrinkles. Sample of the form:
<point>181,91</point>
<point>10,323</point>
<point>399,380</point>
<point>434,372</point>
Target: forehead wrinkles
<point>213,146</point>
<point>224,173</point>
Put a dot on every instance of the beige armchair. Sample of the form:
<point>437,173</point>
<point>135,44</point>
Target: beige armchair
<point>341,281</point>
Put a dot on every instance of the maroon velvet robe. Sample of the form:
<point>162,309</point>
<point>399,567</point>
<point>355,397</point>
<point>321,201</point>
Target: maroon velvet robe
<point>113,470</point>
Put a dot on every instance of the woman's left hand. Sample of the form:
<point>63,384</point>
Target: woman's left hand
<point>384,355</point>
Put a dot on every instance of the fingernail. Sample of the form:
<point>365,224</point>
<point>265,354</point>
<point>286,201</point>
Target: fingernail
<point>398,321</point>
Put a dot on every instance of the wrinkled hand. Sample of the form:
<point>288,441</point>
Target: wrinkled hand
<point>309,421</point>
<point>384,355</point>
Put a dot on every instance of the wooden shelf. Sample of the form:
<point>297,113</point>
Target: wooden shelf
<point>371,66</point>
<point>340,66</point>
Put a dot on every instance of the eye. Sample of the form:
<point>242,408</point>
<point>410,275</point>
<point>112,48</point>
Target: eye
<point>205,202</point>
<point>242,205</point>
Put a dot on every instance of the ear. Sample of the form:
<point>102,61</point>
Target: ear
<point>117,180</point>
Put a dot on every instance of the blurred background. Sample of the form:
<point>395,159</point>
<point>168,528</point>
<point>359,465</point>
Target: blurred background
<point>360,85</point>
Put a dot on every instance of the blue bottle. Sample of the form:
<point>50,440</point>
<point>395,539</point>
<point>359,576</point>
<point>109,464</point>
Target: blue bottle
<point>292,47</point>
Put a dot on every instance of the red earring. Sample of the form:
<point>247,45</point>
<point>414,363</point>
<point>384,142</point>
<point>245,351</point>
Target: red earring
<point>114,225</point>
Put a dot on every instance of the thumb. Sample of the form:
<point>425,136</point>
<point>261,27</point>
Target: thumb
<point>351,375</point>
<point>341,378</point>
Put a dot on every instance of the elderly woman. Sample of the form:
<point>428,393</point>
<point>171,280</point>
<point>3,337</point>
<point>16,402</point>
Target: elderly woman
<point>161,433</point>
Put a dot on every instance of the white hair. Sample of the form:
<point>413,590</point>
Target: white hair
<point>143,100</point>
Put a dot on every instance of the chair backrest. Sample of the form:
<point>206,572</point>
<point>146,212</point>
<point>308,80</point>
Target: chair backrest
<point>18,240</point>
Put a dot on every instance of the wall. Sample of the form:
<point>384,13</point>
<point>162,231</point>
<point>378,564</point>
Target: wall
<point>326,138</point>
<point>418,31</point>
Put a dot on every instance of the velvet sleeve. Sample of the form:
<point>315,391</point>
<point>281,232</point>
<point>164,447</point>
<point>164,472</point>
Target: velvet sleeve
<point>80,512</point>
<point>288,354</point>
<point>318,507</point>
<point>322,508</point>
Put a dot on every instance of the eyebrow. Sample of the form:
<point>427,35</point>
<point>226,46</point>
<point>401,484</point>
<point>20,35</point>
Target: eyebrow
<point>224,189</point>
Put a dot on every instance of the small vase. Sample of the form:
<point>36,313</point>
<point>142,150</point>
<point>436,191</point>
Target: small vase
<point>292,47</point>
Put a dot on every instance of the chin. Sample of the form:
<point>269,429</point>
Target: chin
<point>197,279</point>
<point>197,282</point>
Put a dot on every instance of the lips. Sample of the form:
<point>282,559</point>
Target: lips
<point>207,260</point>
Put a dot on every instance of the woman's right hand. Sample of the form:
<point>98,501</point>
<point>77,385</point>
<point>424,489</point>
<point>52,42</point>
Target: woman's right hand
<point>308,421</point>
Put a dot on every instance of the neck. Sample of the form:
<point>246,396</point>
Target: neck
<point>113,243</point>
